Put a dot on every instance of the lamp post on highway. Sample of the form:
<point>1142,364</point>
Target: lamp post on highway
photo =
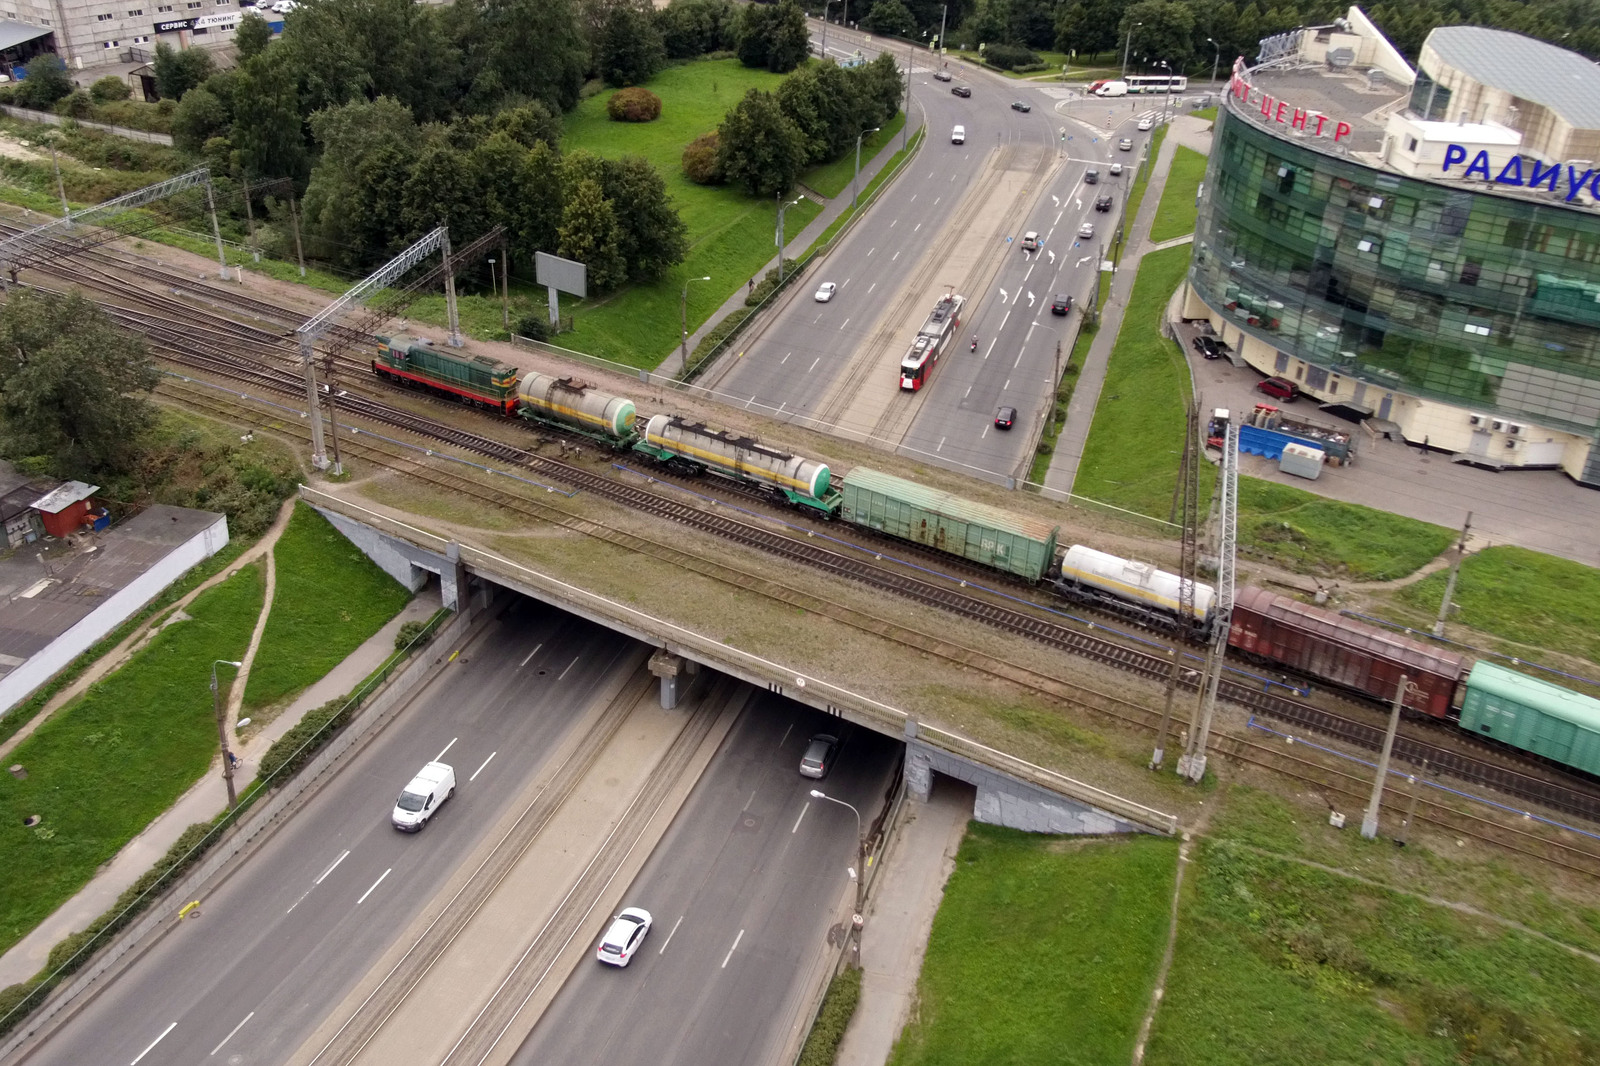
<point>861,848</point>
<point>222,729</point>
<point>782,207</point>
<point>1126,45</point>
<point>856,181</point>
<point>683,312</point>
<point>1216,54</point>
<point>1166,92</point>
<point>824,50</point>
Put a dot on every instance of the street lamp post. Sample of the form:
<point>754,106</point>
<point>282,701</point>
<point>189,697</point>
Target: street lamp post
<point>825,4</point>
<point>1126,45</point>
<point>222,729</point>
<point>1166,94</point>
<point>683,311</point>
<point>1216,54</point>
<point>782,207</point>
<point>856,181</point>
<point>861,848</point>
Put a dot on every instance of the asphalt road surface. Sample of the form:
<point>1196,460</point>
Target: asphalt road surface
<point>743,890</point>
<point>291,931</point>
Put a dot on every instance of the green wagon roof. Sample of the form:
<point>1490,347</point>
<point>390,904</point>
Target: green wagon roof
<point>952,506</point>
<point>1558,702</point>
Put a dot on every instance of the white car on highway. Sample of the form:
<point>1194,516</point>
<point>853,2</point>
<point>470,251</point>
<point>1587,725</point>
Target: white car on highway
<point>1147,123</point>
<point>427,792</point>
<point>825,293</point>
<point>627,932</point>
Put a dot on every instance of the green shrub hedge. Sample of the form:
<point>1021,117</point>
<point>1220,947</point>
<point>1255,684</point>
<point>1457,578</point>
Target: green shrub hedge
<point>838,1007</point>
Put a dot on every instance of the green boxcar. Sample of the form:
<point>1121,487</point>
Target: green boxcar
<point>1533,715</point>
<point>976,532</point>
<point>483,378</point>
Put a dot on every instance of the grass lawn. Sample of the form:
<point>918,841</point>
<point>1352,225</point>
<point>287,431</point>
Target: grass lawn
<point>1521,595</point>
<point>1207,113</point>
<point>329,598</point>
<point>1281,963</point>
<point>1301,531</point>
<point>1140,184</point>
<point>101,768</point>
<point>1044,950</point>
<point>730,232</point>
<point>1175,216</point>
<point>832,179</point>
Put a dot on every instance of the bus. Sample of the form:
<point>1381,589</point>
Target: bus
<point>933,340</point>
<point>1156,83</point>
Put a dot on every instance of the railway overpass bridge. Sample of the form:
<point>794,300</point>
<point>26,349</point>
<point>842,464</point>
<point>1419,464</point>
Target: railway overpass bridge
<point>1010,791</point>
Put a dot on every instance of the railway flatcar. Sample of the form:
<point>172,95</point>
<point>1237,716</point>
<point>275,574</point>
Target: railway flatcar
<point>694,448</point>
<point>1533,715</point>
<point>578,406</point>
<point>976,532</point>
<point>1132,588</point>
<point>1328,646</point>
<point>476,380</point>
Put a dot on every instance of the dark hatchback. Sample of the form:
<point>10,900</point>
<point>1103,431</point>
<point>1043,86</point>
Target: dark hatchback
<point>960,90</point>
<point>1103,203</point>
<point>1061,304</point>
<point>1005,418</point>
<point>1210,347</point>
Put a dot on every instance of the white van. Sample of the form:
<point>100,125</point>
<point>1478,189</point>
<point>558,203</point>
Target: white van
<point>1112,88</point>
<point>958,135</point>
<point>434,783</point>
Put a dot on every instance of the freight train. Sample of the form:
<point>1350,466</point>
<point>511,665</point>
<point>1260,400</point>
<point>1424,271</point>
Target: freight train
<point>1266,628</point>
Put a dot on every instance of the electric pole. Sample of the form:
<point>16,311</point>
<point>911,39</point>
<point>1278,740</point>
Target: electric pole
<point>1450,582</point>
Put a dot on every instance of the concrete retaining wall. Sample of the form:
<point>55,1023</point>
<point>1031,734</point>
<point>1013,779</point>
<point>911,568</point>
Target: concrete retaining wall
<point>1004,800</point>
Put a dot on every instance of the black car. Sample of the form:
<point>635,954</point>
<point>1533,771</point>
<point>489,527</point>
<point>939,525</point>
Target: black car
<point>1061,304</point>
<point>1210,347</point>
<point>1103,203</point>
<point>1005,418</point>
<point>960,90</point>
<point>1018,105</point>
<point>942,75</point>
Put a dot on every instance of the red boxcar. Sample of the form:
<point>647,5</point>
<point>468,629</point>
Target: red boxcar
<point>1327,645</point>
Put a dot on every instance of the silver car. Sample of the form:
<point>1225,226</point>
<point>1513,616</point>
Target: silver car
<point>818,759</point>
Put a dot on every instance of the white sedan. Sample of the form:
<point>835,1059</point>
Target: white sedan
<point>825,293</point>
<point>1147,123</point>
<point>627,932</point>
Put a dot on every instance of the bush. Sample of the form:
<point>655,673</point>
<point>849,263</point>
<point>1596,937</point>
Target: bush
<point>634,105</point>
<point>8,95</point>
<point>410,631</point>
<point>47,82</point>
<point>1009,56</point>
<point>838,1007</point>
<point>108,89</point>
<point>535,327</point>
<point>1045,447</point>
<point>700,160</point>
<point>769,284</point>
<point>717,334</point>
<point>76,104</point>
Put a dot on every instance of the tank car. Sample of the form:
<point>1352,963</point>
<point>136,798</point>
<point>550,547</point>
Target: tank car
<point>1131,588</point>
<point>579,406</point>
<point>694,448</point>
<point>478,380</point>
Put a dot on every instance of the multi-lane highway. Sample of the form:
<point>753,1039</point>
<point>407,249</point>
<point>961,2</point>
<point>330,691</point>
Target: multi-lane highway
<point>953,222</point>
<point>744,889</point>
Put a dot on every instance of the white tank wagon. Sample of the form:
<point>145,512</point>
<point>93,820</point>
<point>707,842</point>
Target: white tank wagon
<point>1129,586</point>
<point>578,405</point>
<point>693,447</point>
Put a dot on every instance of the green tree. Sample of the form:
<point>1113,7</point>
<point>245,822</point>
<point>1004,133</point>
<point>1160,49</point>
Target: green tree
<point>1167,33</point>
<point>47,81</point>
<point>589,235</point>
<point>629,50</point>
<point>267,131</point>
<point>788,39</point>
<point>177,72</point>
<point>890,17</point>
<point>754,29</point>
<point>443,190</point>
<point>252,37</point>
<point>692,28</point>
<point>352,202</point>
<point>530,48</point>
<point>200,116</point>
<point>70,384</point>
<point>530,124</point>
<point>541,202</point>
<point>109,89</point>
<point>881,89</point>
<point>759,146</point>
<point>827,104</point>
<point>650,235</point>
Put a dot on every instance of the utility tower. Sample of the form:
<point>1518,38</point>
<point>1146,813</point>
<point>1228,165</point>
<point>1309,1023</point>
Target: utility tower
<point>1193,763</point>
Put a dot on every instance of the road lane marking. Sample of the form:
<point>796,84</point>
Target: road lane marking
<point>810,368</point>
<point>913,199</point>
<point>918,226</point>
<point>936,200</point>
<point>335,866</point>
<point>236,1028</point>
<point>174,1025</point>
<point>845,323</point>
<point>1019,360</point>
<point>871,250</point>
<point>964,395</point>
<point>531,654</point>
<point>1006,386</point>
<point>1003,321</point>
<point>749,801</point>
<point>724,965</point>
<point>447,747</point>
<point>894,223</point>
<point>785,358</point>
<point>479,770</point>
<point>786,732</point>
<point>670,935</point>
<point>797,821</point>
<point>1057,222</point>
<point>575,658</point>
<point>940,448</point>
<point>896,256</point>
<point>874,286</point>
<point>359,902</point>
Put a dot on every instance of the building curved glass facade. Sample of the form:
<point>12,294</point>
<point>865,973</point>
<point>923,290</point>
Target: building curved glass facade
<point>1489,302</point>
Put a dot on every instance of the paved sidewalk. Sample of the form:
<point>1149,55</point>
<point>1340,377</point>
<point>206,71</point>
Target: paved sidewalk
<point>203,802</point>
<point>899,918</point>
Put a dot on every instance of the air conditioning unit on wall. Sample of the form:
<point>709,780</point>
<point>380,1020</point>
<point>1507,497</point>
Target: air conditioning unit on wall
<point>1513,445</point>
<point>1477,420</point>
<point>1515,429</point>
<point>1498,426</point>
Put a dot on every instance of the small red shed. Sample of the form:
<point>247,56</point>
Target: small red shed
<point>65,510</point>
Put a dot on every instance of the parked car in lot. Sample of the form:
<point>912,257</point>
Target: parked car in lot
<point>1103,203</point>
<point>960,90</point>
<point>1125,145</point>
<point>1005,418</point>
<point>1210,347</point>
<point>1086,230</point>
<point>818,759</point>
<point>1280,388</point>
<point>1061,304</point>
<point>826,291</point>
<point>1116,170</point>
<point>1146,123</point>
<point>1018,105</point>
<point>422,798</point>
<point>942,75</point>
<point>1031,241</point>
<point>623,937</point>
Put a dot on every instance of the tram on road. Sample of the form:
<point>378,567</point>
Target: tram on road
<point>1156,83</point>
<point>933,339</point>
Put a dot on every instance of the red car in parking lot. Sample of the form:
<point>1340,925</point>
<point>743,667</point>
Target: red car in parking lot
<point>1280,388</point>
